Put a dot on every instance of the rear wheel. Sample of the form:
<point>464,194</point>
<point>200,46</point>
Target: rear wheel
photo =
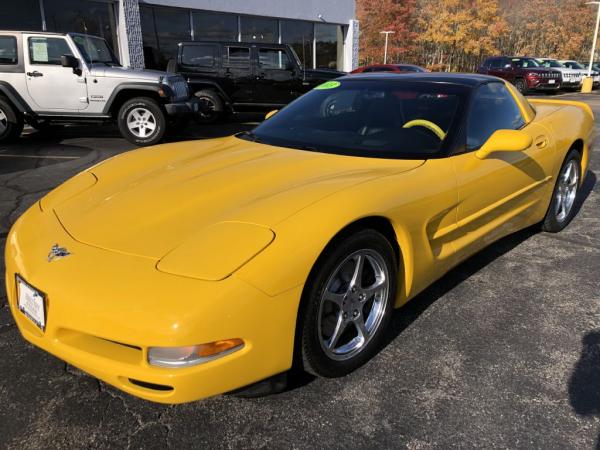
<point>142,121</point>
<point>561,210</point>
<point>347,304</point>
<point>211,107</point>
<point>11,122</point>
<point>521,86</point>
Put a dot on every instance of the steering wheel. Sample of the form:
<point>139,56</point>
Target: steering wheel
<point>435,129</point>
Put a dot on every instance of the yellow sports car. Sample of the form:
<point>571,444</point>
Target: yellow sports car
<point>192,269</point>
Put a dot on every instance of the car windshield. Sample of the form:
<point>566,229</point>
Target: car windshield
<point>525,63</point>
<point>575,65</point>
<point>95,50</point>
<point>551,63</point>
<point>372,118</point>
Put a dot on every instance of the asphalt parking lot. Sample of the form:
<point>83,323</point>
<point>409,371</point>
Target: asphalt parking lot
<point>502,352</point>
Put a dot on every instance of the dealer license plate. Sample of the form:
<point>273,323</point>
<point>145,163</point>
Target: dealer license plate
<point>551,81</point>
<point>31,302</point>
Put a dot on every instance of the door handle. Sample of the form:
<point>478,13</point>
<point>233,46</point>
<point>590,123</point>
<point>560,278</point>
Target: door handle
<point>35,74</point>
<point>541,142</point>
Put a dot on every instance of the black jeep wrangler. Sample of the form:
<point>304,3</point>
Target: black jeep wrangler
<point>233,76</point>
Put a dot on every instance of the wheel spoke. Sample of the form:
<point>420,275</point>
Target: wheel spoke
<point>361,327</point>
<point>333,298</point>
<point>340,326</point>
<point>151,126</point>
<point>356,280</point>
<point>374,289</point>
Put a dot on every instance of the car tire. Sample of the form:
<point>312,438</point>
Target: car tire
<point>521,85</point>
<point>11,122</point>
<point>142,121</point>
<point>333,308</point>
<point>564,196</point>
<point>211,106</point>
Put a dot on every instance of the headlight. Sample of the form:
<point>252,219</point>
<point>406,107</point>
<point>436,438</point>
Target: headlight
<point>217,251</point>
<point>192,355</point>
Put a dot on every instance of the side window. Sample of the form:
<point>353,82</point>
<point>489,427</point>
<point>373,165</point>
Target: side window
<point>496,63</point>
<point>237,55</point>
<point>269,58</point>
<point>492,108</point>
<point>382,69</point>
<point>198,55</point>
<point>8,50</point>
<point>44,50</point>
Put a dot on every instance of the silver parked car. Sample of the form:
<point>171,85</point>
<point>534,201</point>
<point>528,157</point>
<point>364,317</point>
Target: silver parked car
<point>69,78</point>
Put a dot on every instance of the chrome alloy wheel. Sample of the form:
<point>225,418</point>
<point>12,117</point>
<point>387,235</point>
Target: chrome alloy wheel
<point>566,191</point>
<point>353,304</point>
<point>141,122</point>
<point>3,122</point>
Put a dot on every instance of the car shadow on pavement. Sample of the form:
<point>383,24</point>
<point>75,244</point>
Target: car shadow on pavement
<point>584,385</point>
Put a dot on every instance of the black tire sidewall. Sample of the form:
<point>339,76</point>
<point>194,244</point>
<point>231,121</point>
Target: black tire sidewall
<point>309,354</point>
<point>521,86</point>
<point>216,100</point>
<point>550,223</point>
<point>152,106</point>
<point>14,123</point>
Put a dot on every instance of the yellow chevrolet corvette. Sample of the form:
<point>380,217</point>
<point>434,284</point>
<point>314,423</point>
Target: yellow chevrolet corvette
<point>192,269</point>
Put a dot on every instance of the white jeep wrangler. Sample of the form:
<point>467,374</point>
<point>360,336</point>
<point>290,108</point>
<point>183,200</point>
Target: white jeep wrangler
<point>47,78</point>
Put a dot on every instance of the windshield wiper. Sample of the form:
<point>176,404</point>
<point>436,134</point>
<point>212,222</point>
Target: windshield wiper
<point>250,136</point>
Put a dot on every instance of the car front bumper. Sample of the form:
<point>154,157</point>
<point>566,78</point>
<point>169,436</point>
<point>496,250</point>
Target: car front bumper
<point>183,108</point>
<point>105,309</point>
<point>544,85</point>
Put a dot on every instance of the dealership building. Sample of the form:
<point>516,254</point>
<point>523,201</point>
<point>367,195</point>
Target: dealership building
<point>145,33</point>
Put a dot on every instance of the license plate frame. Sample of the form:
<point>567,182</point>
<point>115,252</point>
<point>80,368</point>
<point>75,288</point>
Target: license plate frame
<point>31,302</point>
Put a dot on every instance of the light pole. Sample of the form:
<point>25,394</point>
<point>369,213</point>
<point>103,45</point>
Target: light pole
<point>588,82</point>
<point>387,33</point>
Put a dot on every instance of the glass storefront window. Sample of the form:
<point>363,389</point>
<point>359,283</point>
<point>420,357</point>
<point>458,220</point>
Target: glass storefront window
<point>24,16</point>
<point>97,18</point>
<point>211,26</point>
<point>329,46</point>
<point>162,30</point>
<point>257,29</point>
<point>300,36</point>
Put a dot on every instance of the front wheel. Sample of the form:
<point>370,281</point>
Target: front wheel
<point>347,304</point>
<point>11,122</point>
<point>211,107</point>
<point>521,86</point>
<point>142,121</point>
<point>561,210</point>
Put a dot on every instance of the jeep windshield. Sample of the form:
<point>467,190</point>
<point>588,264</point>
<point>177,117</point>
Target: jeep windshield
<point>378,118</point>
<point>95,50</point>
<point>552,63</point>
<point>525,63</point>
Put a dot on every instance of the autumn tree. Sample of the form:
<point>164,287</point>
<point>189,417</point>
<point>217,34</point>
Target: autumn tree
<point>389,15</point>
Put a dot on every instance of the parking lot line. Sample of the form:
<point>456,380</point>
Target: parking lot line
<point>5,155</point>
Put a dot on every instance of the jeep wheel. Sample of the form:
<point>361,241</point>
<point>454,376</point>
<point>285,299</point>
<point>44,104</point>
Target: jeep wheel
<point>521,86</point>
<point>211,107</point>
<point>142,121</point>
<point>11,123</point>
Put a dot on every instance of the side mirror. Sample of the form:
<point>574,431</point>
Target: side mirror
<point>507,66</point>
<point>271,114</point>
<point>69,61</point>
<point>505,141</point>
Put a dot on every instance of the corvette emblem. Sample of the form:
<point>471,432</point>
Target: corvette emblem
<point>57,252</point>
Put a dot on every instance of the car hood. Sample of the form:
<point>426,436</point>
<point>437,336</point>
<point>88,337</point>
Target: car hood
<point>101,70</point>
<point>149,201</point>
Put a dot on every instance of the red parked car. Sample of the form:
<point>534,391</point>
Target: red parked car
<point>397,68</point>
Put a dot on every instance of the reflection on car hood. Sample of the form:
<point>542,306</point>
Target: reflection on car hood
<point>148,201</point>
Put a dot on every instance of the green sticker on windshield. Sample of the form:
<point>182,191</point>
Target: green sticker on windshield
<point>328,85</point>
